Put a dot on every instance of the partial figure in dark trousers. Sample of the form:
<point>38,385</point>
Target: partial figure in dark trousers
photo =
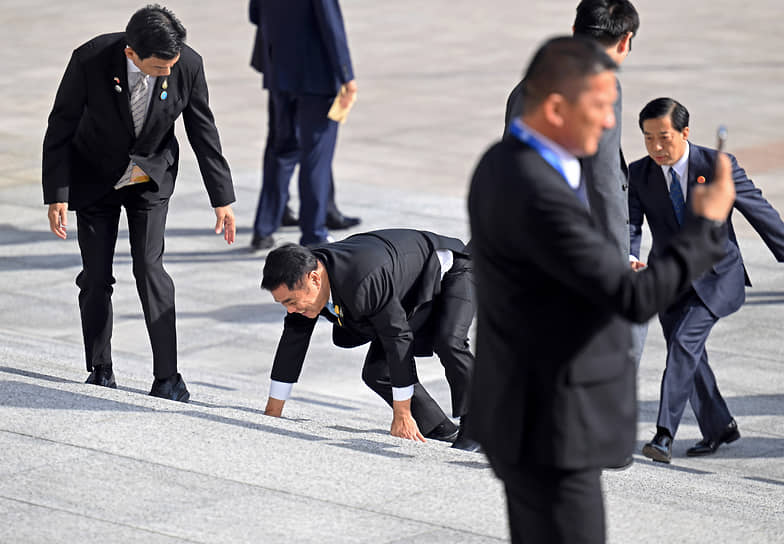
<point>554,391</point>
<point>408,293</point>
<point>662,185</point>
<point>613,23</point>
<point>303,54</point>
<point>275,165</point>
<point>110,145</point>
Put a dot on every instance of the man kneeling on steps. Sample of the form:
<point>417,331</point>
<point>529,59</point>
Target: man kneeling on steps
<point>406,292</point>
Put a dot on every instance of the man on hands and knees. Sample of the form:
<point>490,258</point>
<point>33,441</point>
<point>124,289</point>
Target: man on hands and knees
<point>406,292</point>
<point>554,388</point>
<point>661,187</point>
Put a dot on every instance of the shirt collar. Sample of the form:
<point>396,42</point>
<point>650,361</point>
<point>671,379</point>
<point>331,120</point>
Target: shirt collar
<point>132,68</point>
<point>681,167</point>
<point>569,163</point>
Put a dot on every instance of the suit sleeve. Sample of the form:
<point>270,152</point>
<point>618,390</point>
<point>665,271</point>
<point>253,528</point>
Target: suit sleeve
<point>333,35</point>
<point>390,323</point>
<point>63,121</point>
<point>636,214</point>
<point>579,257</point>
<point>203,137</point>
<point>292,348</point>
<point>758,211</point>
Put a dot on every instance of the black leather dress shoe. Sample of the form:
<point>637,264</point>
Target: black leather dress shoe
<point>102,375</point>
<point>446,431</point>
<point>464,441</point>
<point>659,449</point>
<point>289,219</point>
<point>172,388</point>
<point>708,446</point>
<point>622,465</point>
<point>259,243</point>
<point>340,222</point>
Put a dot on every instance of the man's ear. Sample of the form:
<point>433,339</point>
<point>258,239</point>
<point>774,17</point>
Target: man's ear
<point>553,108</point>
<point>315,277</point>
<point>625,44</point>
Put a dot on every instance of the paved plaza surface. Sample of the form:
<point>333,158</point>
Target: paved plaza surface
<point>86,464</point>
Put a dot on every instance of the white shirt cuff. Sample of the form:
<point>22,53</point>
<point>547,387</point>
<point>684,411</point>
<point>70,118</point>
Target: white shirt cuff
<point>402,393</point>
<point>280,390</point>
<point>447,259</point>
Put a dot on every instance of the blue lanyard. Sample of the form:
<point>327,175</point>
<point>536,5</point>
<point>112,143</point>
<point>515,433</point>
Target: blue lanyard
<point>519,131</point>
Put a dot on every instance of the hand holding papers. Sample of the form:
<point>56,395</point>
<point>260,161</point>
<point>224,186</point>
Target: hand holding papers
<point>343,102</point>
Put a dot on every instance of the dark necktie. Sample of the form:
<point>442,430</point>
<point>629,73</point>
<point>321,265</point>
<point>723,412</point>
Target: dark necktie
<point>676,195</point>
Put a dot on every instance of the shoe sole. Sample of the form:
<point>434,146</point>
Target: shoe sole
<point>445,438</point>
<point>652,453</point>
<point>472,448</point>
<point>729,440</point>
<point>112,385</point>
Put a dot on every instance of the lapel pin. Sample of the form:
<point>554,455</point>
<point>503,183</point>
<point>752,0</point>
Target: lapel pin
<point>164,95</point>
<point>165,84</point>
<point>701,179</point>
<point>117,87</point>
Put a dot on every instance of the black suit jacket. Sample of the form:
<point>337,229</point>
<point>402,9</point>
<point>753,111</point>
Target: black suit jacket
<point>554,383</point>
<point>90,137</point>
<point>384,283</point>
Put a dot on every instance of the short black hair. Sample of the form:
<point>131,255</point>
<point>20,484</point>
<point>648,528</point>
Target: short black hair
<point>606,21</point>
<point>287,265</point>
<point>562,65</point>
<point>661,107</point>
<point>155,31</point>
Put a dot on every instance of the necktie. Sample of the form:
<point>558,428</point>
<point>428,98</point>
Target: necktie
<point>676,195</point>
<point>139,102</point>
<point>138,112</point>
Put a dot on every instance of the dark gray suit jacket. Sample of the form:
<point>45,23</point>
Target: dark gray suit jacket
<point>553,383</point>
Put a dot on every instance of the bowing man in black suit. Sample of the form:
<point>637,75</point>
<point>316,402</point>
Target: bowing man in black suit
<point>553,393</point>
<point>109,145</point>
<point>406,292</point>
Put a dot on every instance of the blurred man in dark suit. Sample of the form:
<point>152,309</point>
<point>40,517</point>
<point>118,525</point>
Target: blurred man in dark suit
<point>554,390</point>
